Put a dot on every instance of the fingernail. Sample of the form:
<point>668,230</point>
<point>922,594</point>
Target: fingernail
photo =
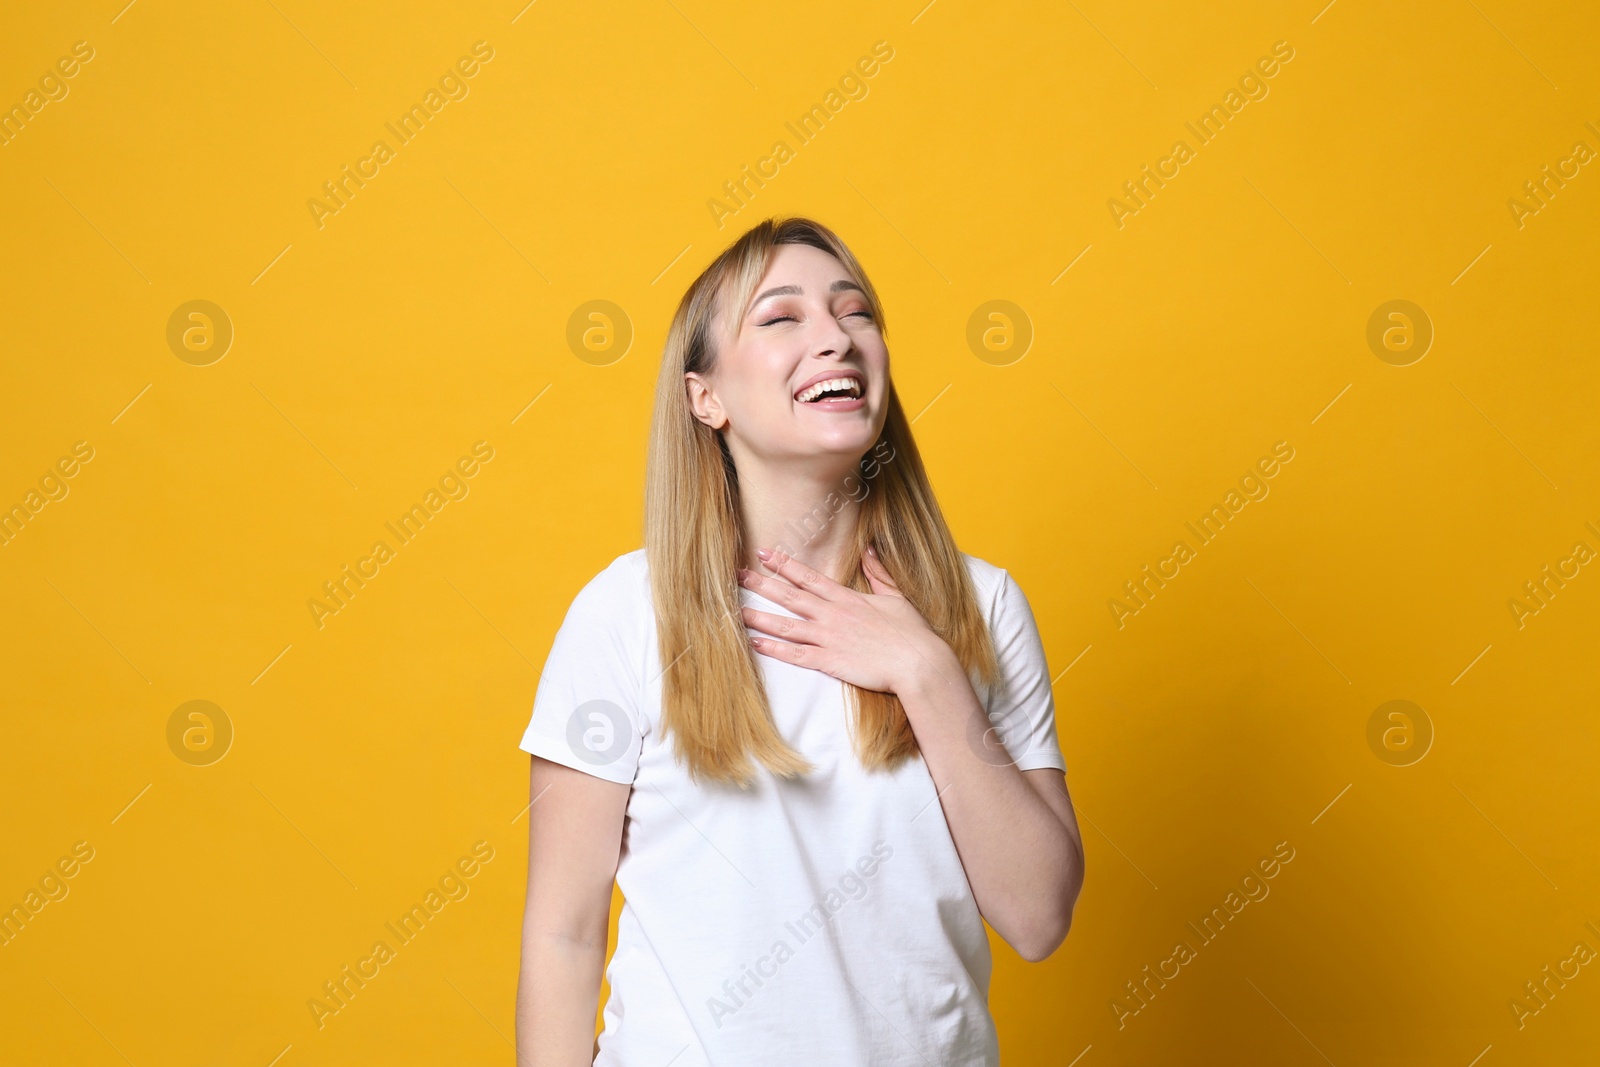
<point>763,555</point>
<point>872,551</point>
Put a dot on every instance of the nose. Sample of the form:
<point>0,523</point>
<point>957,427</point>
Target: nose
<point>829,338</point>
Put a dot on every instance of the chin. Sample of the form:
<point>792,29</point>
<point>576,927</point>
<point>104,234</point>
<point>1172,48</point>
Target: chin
<point>853,442</point>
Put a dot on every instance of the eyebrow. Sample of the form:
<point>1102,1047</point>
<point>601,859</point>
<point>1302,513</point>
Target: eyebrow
<point>794,290</point>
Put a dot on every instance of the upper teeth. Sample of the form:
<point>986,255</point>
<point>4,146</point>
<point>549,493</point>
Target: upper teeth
<point>832,385</point>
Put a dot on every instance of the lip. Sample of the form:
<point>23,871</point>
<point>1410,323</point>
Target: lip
<point>829,375</point>
<point>838,405</point>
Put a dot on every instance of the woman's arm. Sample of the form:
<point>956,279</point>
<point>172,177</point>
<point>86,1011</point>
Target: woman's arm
<point>574,839</point>
<point>1014,830</point>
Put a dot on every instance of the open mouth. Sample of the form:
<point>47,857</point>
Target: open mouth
<point>831,391</point>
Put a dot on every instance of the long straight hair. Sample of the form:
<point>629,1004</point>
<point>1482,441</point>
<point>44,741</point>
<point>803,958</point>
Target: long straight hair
<point>714,703</point>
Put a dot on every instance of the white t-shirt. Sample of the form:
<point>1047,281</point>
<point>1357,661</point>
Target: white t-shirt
<point>824,922</point>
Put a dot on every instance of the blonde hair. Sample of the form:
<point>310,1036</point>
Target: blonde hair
<point>714,703</point>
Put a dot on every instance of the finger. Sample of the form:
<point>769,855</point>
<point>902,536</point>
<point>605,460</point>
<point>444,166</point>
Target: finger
<point>779,590</point>
<point>878,575</point>
<point>802,576</point>
<point>874,565</point>
<point>799,655</point>
<point>880,586</point>
<point>780,625</point>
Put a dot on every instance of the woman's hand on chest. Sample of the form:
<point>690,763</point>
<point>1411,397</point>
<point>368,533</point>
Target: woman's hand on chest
<point>876,640</point>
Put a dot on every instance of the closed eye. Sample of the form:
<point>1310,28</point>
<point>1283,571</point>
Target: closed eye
<point>791,318</point>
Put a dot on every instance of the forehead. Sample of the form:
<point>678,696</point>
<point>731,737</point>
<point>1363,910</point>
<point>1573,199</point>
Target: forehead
<point>802,270</point>
<point>802,259</point>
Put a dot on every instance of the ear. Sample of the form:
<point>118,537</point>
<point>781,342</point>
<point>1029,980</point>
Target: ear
<point>703,402</point>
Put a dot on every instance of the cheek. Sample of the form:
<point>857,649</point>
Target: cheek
<point>770,385</point>
<point>763,391</point>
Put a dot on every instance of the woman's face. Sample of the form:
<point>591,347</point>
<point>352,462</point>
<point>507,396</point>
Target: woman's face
<point>808,323</point>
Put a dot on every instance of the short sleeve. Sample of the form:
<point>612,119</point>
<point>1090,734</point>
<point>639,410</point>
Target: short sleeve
<point>586,711</point>
<point>1021,706</point>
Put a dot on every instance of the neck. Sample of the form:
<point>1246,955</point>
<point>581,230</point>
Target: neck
<point>808,511</point>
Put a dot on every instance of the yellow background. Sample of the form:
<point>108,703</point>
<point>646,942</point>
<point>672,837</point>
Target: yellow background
<point>432,310</point>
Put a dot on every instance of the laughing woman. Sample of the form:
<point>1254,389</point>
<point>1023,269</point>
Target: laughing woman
<point>811,741</point>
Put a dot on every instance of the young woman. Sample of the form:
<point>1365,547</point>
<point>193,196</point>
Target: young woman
<point>812,741</point>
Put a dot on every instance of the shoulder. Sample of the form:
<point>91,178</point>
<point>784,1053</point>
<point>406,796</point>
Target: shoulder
<point>618,589</point>
<point>630,568</point>
<point>1004,605</point>
<point>988,580</point>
